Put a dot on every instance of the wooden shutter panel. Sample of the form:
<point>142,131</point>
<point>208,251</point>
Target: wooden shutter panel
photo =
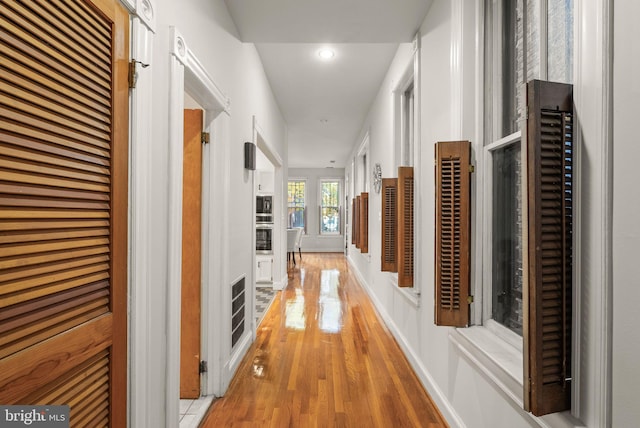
<point>353,221</point>
<point>356,225</point>
<point>453,230</point>
<point>405,226</point>
<point>364,222</point>
<point>63,207</point>
<point>389,236</point>
<point>547,311</point>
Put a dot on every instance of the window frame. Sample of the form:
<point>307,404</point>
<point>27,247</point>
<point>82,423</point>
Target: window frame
<point>304,208</point>
<point>497,351</point>
<point>340,182</point>
<point>487,320</point>
<point>410,77</point>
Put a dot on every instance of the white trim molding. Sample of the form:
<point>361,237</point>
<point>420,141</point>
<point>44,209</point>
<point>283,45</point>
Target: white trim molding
<point>188,74</point>
<point>141,126</point>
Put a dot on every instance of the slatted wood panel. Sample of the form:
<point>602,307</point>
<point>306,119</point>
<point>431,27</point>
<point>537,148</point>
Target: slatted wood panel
<point>405,226</point>
<point>389,235</point>
<point>453,229</point>
<point>364,222</point>
<point>356,224</point>
<point>63,213</point>
<point>353,221</point>
<point>547,329</point>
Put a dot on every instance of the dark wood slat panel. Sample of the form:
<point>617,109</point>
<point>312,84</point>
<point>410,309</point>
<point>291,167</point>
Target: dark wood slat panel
<point>52,110</point>
<point>48,360</point>
<point>364,222</point>
<point>60,43</point>
<point>87,18</point>
<point>42,247</point>
<point>50,235</point>
<point>99,412</point>
<point>36,157</point>
<point>389,235</point>
<point>51,327</point>
<point>45,290</point>
<point>43,169</point>
<point>55,153</point>
<point>102,42</point>
<point>31,260</point>
<point>453,227</point>
<point>84,43</point>
<point>51,224</point>
<point>27,178</point>
<point>55,194</point>
<point>20,70</point>
<point>8,213</point>
<point>56,299</point>
<point>59,140</point>
<point>90,403</point>
<point>61,276</point>
<point>40,123</point>
<point>31,46</point>
<point>405,226</point>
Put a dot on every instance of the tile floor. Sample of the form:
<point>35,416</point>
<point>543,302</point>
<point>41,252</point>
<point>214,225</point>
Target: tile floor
<point>193,411</point>
<point>264,298</point>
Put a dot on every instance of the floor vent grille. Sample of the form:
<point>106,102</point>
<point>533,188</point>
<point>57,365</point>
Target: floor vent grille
<point>237,311</point>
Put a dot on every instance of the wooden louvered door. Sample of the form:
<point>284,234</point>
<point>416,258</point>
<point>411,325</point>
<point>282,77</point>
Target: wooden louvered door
<point>547,305</point>
<point>364,222</point>
<point>353,221</point>
<point>63,207</point>
<point>453,229</point>
<point>389,236</point>
<point>405,226</point>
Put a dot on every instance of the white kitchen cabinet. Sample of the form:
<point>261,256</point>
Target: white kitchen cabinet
<point>264,268</point>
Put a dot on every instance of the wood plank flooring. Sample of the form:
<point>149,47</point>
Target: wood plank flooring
<point>323,358</point>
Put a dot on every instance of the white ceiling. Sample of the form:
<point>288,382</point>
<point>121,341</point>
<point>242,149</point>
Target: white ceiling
<point>325,103</point>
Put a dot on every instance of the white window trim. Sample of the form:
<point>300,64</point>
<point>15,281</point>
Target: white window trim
<point>340,207</point>
<point>411,75</point>
<point>362,177</point>
<point>487,230</point>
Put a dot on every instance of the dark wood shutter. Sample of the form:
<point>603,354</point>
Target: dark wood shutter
<point>389,237</point>
<point>356,225</point>
<point>364,222</point>
<point>405,226</point>
<point>353,221</point>
<point>547,311</point>
<point>453,231</point>
<point>63,207</point>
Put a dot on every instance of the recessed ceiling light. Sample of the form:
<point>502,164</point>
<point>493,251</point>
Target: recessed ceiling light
<point>324,120</point>
<point>326,54</point>
<point>332,161</point>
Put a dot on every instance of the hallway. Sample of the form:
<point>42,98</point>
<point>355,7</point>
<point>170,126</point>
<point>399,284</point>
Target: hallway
<point>322,358</point>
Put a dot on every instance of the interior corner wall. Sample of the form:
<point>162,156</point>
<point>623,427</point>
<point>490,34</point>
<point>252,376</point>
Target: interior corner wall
<point>236,69</point>
<point>312,241</point>
<point>626,206</point>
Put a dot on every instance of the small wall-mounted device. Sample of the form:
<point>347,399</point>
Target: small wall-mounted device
<point>250,156</point>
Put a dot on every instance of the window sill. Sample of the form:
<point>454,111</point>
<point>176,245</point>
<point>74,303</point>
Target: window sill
<point>411,294</point>
<point>501,363</point>
<point>497,359</point>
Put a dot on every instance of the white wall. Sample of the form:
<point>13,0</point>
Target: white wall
<point>312,241</point>
<point>626,209</point>
<point>463,385</point>
<point>236,69</point>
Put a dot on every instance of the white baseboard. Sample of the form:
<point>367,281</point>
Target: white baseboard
<point>445,407</point>
<point>236,358</point>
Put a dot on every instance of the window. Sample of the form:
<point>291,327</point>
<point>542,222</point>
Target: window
<point>517,52</point>
<point>407,116</point>
<point>330,207</point>
<point>296,203</point>
<point>529,253</point>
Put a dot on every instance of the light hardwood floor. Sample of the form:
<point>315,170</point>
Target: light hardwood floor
<point>324,358</point>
